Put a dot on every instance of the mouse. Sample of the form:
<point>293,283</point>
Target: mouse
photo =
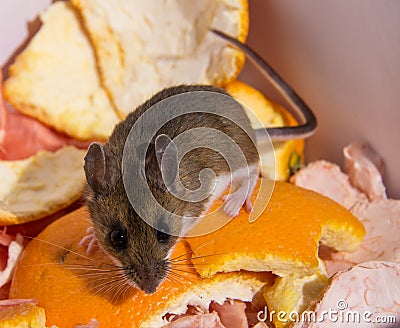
<point>139,250</point>
<point>134,245</point>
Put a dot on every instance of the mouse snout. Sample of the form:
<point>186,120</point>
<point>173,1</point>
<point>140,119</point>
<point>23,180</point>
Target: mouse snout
<point>147,278</point>
<point>149,286</point>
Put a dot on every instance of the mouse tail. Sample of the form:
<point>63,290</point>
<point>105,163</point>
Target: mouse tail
<point>302,112</point>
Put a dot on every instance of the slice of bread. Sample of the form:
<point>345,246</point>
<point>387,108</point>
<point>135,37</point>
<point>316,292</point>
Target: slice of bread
<point>55,79</point>
<point>145,46</point>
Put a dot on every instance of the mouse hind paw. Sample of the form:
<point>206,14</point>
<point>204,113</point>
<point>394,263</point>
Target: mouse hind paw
<point>233,203</point>
<point>90,241</point>
<point>241,197</point>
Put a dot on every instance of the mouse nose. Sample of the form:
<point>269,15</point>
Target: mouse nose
<point>148,281</point>
<point>149,286</point>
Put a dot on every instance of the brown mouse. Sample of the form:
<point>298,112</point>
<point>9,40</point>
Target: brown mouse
<point>139,249</point>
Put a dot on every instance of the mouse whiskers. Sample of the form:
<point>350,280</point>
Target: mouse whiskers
<point>182,278</point>
<point>99,275</point>
<point>108,287</point>
<point>109,284</point>
<point>173,280</point>
<point>70,251</point>
<point>182,270</point>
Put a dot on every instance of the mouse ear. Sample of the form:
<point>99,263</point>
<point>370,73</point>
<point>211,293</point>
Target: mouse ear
<point>96,168</point>
<point>167,158</point>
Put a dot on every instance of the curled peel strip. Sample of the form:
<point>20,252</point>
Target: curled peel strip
<point>146,132</point>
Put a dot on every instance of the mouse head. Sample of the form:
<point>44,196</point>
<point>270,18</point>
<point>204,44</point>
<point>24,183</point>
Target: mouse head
<point>141,251</point>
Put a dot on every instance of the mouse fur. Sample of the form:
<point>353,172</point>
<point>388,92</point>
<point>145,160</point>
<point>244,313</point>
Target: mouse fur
<point>135,246</point>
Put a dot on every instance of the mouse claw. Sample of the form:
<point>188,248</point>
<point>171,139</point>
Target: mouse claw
<point>241,197</point>
<point>248,205</point>
<point>233,203</point>
<point>90,241</point>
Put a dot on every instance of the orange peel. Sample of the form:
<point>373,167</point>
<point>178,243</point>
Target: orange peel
<point>142,49</point>
<point>40,185</point>
<point>22,315</point>
<point>284,239</point>
<point>288,155</point>
<point>63,92</point>
<point>71,296</point>
<point>56,271</point>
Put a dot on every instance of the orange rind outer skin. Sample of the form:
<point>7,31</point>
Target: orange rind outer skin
<point>284,239</point>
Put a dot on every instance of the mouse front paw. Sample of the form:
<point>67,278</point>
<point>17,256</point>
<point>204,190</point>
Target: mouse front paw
<point>242,196</point>
<point>89,241</point>
<point>234,202</point>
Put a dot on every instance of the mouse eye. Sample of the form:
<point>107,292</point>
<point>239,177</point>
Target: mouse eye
<point>118,238</point>
<point>162,237</point>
